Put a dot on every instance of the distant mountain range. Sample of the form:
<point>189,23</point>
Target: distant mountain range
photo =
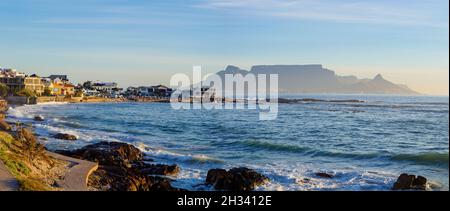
<point>316,79</point>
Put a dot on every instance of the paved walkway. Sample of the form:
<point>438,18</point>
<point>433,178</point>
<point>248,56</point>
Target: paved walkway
<point>7,181</point>
<point>77,176</point>
<point>75,179</point>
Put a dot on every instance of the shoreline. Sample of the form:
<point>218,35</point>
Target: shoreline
<point>131,161</point>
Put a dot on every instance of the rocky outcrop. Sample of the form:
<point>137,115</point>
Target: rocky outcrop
<point>65,136</point>
<point>3,106</point>
<point>39,118</point>
<point>236,179</point>
<point>5,126</point>
<point>410,182</point>
<point>122,168</point>
<point>159,169</point>
<point>109,154</point>
<point>112,178</point>
<point>324,175</point>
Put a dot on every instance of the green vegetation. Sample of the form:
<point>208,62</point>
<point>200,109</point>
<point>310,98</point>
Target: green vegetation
<point>26,163</point>
<point>26,93</point>
<point>31,148</point>
<point>78,93</point>
<point>47,92</point>
<point>12,162</point>
<point>33,184</point>
<point>4,90</point>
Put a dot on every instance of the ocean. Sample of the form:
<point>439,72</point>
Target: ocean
<point>365,145</point>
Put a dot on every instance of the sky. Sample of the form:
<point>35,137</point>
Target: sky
<point>145,42</point>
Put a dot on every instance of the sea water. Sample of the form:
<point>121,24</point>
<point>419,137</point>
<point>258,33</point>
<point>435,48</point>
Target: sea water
<point>364,145</point>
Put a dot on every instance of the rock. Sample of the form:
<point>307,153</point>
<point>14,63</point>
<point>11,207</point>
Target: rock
<point>108,178</point>
<point>216,175</point>
<point>39,118</point>
<point>65,136</point>
<point>5,126</point>
<point>109,154</point>
<point>324,175</point>
<point>410,182</point>
<point>160,169</point>
<point>236,179</point>
<point>122,168</point>
<point>420,183</point>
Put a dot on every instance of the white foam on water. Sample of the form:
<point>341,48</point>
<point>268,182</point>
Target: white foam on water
<point>283,177</point>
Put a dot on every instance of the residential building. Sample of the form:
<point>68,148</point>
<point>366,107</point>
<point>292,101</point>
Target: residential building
<point>10,73</point>
<point>104,86</point>
<point>18,83</point>
<point>154,91</point>
<point>60,77</point>
<point>58,88</point>
<point>132,91</point>
<point>58,85</point>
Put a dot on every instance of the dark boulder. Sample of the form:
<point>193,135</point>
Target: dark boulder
<point>5,126</point>
<point>410,182</point>
<point>109,178</point>
<point>109,154</point>
<point>160,169</point>
<point>39,118</point>
<point>236,179</point>
<point>216,175</point>
<point>65,136</point>
<point>324,175</point>
<point>122,168</point>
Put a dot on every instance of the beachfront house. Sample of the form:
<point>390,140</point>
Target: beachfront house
<point>90,92</point>
<point>59,88</point>
<point>154,91</point>
<point>102,89</point>
<point>104,86</point>
<point>144,91</point>
<point>63,78</point>
<point>16,81</point>
<point>162,91</point>
<point>11,73</point>
<point>58,85</point>
<point>132,91</point>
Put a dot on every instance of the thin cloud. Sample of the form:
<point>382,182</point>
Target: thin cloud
<point>101,21</point>
<point>381,12</point>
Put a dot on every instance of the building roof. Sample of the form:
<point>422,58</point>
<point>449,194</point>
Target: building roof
<point>104,84</point>
<point>62,77</point>
<point>160,87</point>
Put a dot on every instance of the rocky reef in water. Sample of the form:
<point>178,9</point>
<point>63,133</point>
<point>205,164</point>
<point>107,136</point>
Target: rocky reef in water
<point>123,167</point>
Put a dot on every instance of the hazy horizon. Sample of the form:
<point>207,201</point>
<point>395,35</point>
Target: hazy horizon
<point>145,43</point>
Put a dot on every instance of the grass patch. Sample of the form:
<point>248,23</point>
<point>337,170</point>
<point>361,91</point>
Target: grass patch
<point>17,168</point>
<point>32,184</point>
<point>23,165</point>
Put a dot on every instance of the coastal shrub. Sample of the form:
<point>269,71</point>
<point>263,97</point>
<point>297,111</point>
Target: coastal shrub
<point>14,165</point>
<point>78,93</point>
<point>29,144</point>
<point>47,92</point>
<point>4,90</point>
<point>17,168</point>
<point>26,93</point>
<point>33,184</point>
<point>14,156</point>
